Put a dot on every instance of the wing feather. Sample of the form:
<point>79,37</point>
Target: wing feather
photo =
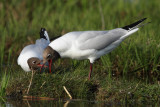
<point>99,39</point>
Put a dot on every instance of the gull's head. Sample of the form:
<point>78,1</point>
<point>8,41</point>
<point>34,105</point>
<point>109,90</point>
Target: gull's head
<point>50,54</point>
<point>34,63</point>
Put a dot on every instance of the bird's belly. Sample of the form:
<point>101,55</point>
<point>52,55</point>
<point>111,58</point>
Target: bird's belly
<point>78,54</point>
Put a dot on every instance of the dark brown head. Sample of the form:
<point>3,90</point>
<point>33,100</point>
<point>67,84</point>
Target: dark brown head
<point>34,63</point>
<point>50,54</point>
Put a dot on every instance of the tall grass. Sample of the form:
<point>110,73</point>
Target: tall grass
<point>3,85</point>
<point>2,48</point>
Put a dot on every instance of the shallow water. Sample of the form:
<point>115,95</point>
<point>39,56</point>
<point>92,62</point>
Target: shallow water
<point>59,103</point>
<point>68,103</point>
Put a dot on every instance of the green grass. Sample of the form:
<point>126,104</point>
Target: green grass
<point>3,86</point>
<point>138,56</point>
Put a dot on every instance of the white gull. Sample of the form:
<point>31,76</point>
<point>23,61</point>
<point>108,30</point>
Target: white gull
<point>88,44</point>
<point>31,55</point>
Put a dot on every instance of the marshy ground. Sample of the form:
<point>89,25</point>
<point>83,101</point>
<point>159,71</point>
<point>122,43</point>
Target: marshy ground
<point>129,74</point>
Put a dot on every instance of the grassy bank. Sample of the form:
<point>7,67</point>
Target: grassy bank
<point>131,68</point>
<point>101,87</point>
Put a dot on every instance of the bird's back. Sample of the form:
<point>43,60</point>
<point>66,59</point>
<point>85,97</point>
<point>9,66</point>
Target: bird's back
<point>89,39</point>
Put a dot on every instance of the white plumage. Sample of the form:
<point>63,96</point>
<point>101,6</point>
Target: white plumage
<point>89,44</point>
<point>33,50</point>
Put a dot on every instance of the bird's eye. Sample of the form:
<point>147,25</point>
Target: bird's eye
<point>33,62</point>
<point>49,55</point>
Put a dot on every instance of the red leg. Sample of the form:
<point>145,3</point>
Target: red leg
<point>90,71</point>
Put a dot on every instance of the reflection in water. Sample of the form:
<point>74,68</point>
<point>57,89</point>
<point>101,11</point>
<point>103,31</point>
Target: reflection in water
<point>68,103</point>
<point>51,103</point>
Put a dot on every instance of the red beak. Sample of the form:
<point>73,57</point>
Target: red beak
<point>41,67</point>
<point>50,63</point>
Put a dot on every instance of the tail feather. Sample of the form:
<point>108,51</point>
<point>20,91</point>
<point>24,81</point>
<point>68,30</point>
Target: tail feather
<point>44,34</point>
<point>134,25</point>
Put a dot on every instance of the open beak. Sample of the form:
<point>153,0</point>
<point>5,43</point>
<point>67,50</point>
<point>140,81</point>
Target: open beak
<point>50,64</point>
<point>42,65</point>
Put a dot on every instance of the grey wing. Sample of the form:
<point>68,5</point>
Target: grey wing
<point>99,39</point>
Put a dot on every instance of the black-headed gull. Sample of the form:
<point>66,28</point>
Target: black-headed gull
<point>88,44</point>
<point>30,57</point>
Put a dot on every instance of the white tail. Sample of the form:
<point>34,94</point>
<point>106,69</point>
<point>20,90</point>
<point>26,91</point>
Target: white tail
<point>129,33</point>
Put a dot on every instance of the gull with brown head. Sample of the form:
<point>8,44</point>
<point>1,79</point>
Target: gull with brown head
<point>90,45</point>
<point>31,57</point>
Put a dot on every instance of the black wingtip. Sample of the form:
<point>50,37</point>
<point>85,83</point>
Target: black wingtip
<point>42,31</point>
<point>133,24</point>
